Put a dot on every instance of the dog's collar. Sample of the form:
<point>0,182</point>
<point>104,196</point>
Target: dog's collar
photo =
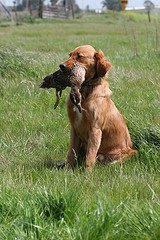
<point>88,86</point>
<point>92,82</point>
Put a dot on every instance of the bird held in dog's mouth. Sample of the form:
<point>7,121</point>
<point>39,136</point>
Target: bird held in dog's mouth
<point>62,79</point>
<point>77,77</point>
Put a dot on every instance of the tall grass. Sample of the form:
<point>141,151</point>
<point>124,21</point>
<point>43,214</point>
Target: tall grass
<point>113,202</point>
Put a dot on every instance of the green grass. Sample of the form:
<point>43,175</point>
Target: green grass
<point>113,202</point>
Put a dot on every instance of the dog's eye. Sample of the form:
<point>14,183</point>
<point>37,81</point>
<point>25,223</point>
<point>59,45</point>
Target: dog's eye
<point>79,55</point>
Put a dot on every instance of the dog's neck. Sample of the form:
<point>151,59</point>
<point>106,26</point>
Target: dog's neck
<point>90,86</point>
<point>92,82</point>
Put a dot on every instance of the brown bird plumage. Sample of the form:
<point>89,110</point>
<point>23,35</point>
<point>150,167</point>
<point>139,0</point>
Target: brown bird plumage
<point>77,78</point>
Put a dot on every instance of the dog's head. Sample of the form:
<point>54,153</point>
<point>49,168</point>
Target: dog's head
<point>94,63</point>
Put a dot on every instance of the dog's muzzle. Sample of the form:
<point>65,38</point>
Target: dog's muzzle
<point>66,70</point>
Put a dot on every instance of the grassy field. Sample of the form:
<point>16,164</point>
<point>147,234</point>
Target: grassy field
<point>114,202</point>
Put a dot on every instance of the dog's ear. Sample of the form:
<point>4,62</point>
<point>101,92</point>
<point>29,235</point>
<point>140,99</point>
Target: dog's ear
<point>103,66</point>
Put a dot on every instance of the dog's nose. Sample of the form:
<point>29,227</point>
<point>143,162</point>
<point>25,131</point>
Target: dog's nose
<point>62,66</point>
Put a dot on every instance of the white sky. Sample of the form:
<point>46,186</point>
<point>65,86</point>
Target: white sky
<point>93,4</point>
<point>97,3</point>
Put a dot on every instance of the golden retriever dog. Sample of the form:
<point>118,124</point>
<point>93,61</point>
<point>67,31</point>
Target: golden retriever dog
<point>99,130</point>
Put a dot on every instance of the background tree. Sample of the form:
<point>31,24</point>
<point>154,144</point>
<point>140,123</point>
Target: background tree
<point>30,5</point>
<point>71,5</point>
<point>26,4</point>
<point>111,4</point>
<point>148,6</point>
<point>87,8</point>
<point>40,8</point>
<point>53,2</point>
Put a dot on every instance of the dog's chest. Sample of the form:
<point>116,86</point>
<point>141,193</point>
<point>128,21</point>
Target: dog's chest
<point>77,119</point>
<point>78,116</point>
<point>79,123</point>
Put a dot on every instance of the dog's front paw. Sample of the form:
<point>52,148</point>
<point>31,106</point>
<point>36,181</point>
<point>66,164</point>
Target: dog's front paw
<point>60,164</point>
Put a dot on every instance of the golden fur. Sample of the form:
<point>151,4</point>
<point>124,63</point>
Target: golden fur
<point>100,130</point>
